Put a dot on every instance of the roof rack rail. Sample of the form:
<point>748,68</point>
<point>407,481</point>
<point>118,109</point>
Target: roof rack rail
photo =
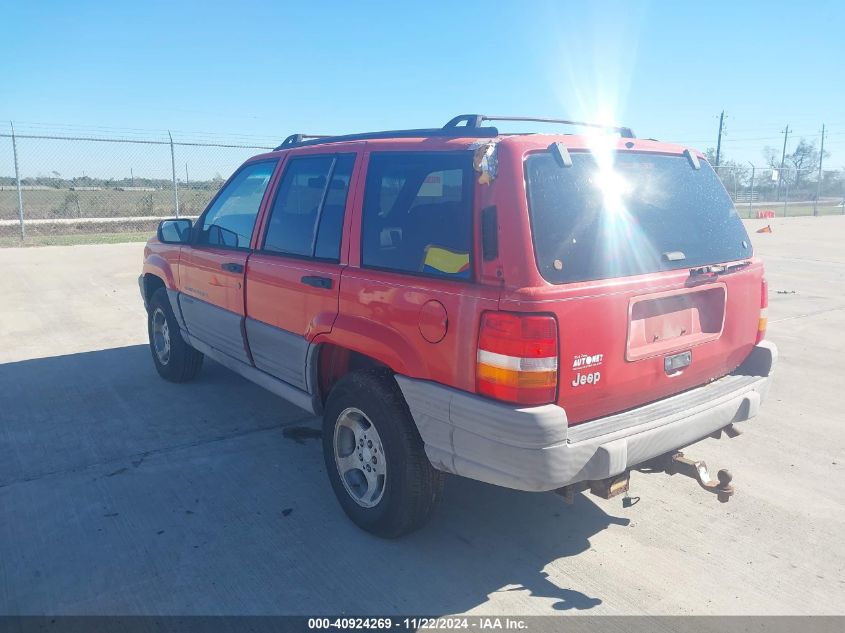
<point>300,140</point>
<point>474,121</point>
<point>472,126</point>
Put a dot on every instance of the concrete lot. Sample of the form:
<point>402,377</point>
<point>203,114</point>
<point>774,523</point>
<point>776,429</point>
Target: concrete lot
<point>123,494</point>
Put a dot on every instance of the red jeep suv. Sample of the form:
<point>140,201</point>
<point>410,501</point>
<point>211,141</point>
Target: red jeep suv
<point>541,312</point>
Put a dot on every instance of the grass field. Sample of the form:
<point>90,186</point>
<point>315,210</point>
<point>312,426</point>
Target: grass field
<point>77,238</point>
<point>105,203</point>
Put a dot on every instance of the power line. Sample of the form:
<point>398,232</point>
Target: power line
<point>102,130</point>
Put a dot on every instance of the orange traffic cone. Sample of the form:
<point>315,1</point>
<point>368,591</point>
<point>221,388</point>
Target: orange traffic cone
<point>765,229</point>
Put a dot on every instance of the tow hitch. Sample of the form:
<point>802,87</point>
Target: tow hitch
<point>671,463</point>
<point>721,486</point>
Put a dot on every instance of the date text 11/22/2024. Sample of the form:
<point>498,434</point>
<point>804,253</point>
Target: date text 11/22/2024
<point>420,623</point>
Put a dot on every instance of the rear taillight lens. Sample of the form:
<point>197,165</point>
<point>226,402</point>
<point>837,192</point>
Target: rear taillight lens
<point>517,357</point>
<point>764,311</point>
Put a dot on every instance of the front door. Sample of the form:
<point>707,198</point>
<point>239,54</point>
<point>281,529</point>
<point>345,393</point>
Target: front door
<point>213,268</point>
<point>293,278</point>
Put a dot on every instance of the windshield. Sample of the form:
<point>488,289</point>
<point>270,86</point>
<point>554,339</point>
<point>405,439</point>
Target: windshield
<point>645,214</point>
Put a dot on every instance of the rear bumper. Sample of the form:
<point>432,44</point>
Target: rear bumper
<point>534,449</point>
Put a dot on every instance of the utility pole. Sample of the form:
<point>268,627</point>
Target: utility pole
<point>719,139</point>
<point>782,159</point>
<point>18,182</point>
<point>187,180</point>
<point>821,174</point>
<point>751,195</point>
<point>173,171</point>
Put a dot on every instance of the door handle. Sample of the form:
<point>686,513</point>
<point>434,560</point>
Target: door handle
<point>317,282</point>
<point>231,267</point>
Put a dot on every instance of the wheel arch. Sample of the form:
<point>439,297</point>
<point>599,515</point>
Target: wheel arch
<point>356,343</point>
<point>157,266</point>
<point>329,361</point>
<point>152,282</point>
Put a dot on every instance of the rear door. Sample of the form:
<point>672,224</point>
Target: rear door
<point>625,252</point>
<point>410,295</point>
<point>212,274</point>
<point>294,276</point>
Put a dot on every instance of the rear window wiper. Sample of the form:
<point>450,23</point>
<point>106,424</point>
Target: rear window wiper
<point>714,270</point>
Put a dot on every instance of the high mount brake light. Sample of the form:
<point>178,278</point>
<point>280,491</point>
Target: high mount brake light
<point>517,359</point>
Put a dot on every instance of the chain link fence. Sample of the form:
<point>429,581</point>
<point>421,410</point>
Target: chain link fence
<point>773,192</point>
<point>78,183</point>
<point>53,184</point>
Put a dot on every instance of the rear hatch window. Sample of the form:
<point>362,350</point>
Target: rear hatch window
<point>646,213</point>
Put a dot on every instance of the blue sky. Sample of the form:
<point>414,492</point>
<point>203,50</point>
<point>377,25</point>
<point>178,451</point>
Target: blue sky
<point>262,70</point>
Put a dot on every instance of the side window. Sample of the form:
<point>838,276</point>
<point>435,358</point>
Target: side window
<point>230,219</point>
<point>418,213</point>
<point>307,215</point>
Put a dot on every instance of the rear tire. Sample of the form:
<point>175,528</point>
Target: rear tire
<point>375,457</point>
<point>174,359</point>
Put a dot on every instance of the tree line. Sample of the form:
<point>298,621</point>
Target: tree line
<point>799,174</point>
<point>56,181</point>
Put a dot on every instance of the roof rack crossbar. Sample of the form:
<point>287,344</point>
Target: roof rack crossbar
<point>475,121</point>
<point>461,125</point>
<point>300,140</point>
<point>295,139</point>
<point>469,120</point>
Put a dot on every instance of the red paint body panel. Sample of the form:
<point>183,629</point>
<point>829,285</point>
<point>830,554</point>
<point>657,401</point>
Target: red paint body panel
<point>202,276</point>
<point>593,318</point>
<point>378,313</point>
<point>162,261</point>
<point>382,309</point>
<point>277,296</point>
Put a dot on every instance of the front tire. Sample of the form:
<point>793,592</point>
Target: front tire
<point>375,457</point>
<point>174,359</point>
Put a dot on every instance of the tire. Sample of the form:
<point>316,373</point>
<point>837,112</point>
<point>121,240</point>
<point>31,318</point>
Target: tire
<point>402,490</point>
<point>174,359</point>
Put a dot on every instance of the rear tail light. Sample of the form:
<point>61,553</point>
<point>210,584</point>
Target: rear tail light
<point>764,311</point>
<point>517,357</point>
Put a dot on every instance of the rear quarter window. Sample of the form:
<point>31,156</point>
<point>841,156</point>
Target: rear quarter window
<point>418,213</point>
<point>645,214</point>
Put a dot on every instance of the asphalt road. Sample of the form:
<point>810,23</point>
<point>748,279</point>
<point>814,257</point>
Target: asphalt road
<point>123,494</point>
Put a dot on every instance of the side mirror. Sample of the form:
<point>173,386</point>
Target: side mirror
<point>174,231</point>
